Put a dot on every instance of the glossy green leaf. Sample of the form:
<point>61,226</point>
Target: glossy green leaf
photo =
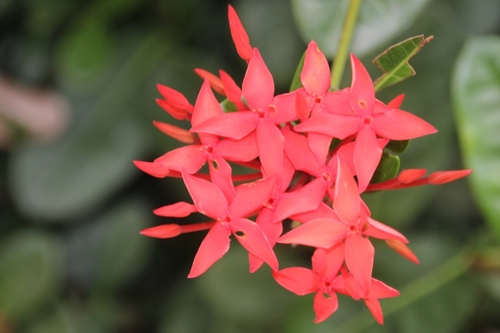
<point>30,273</point>
<point>387,168</point>
<point>378,22</point>
<point>394,61</point>
<point>476,98</point>
<point>398,146</point>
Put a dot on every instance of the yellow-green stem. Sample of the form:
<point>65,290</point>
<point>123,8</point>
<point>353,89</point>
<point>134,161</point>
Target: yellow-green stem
<point>344,43</point>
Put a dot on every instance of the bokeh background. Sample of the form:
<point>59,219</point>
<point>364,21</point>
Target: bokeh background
<point>77,99</point>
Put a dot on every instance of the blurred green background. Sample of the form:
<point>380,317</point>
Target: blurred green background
<point>77,99</point>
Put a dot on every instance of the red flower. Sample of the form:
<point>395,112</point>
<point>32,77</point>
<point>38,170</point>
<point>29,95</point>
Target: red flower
<point>323,280</point>
<point>355,111</point>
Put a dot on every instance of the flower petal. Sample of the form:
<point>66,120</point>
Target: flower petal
<point>252,238</point>
<point>258,83</point>
<point>212,248</point>
<point>382,231</point>
<point>178,209</point>
<point>325,304</point>
<point>153,169</point>
<point>234,125</point>
<point>362,97</point>
<point>396,124</point>
<point>321,232</point>
<point>367,155</point>
<point>243,150</point>
<point>239,35</point>
<point>270,143</point>
<point>298,280</point>
<point>250,197</point>
<point>191,158</point>
<point>206,105</point>
<point>305,199</point>
<point>347,202</point>
<point>374,306</point>
<point>163,231</point>
<point>337,126</point>
<point>208,198</point>
<point>359,254</point>
<point>315,75</point>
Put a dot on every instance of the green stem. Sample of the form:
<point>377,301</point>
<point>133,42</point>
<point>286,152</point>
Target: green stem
<point>344,43</point>
<point>416,290</point>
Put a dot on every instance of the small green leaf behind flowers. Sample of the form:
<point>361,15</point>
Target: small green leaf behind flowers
<point>394,61</point>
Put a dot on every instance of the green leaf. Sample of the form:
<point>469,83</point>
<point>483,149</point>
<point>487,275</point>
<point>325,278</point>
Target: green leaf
<point>296,82</point>
<point>30,272</point>
<point>228,106</point>
<point>398,146</point>
<point>476,99</point>
<point>394,61</point>
<point>387,168</point>
<point>378,22</point>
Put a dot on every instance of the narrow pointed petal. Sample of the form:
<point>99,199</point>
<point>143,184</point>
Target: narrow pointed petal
<point>252,238</point>
<point>367,154</point>
<point>208,198</point>
<point>305,199</point>
<point>374,306</point>
<point>359,254</point>
<point>410,175</point>
<point>206,105</point>
<point>325,304</point>
<point>153,169</point>
<point>396,102</point>
<point>443,177</point>
<point>220,175</point>
<point>298,152</point>
<point>396,124</point>
<point>347,201</point>
<point>378,289</point>
<point>251,197</point>
<point>323,211</point>
<point>403,250</point>
<point>315,75</point>
<point>298,280</point>
<point>212,248</point>
<point>258,83</point>
<point>163,231</point>
<point>174,97</point>
<point>191,158</point>
<point>177,133</point>
<point>178,209</point>
<point>283,108</point>
<point>239,35</point>
<point>323,233</point>
<point>234,125</point>
<point>272,231</point>
<point>215,81</point>
<point>179,114</point>
<point>362,97</point>
<point>337,126</point>
<point>243,150</point>
<point>233,92</point>
<point>382,231</point>
<point>320,145</point>
<point>327,262</point>
<point>271,145</point>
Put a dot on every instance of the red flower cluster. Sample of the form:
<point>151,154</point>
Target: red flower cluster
<point>298,174</point>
